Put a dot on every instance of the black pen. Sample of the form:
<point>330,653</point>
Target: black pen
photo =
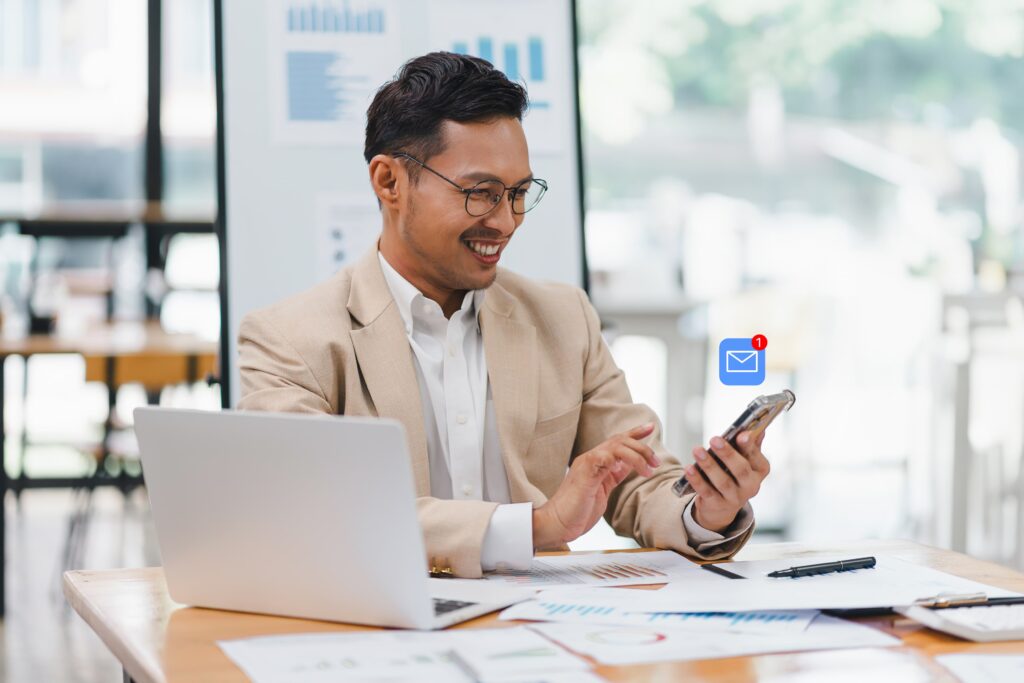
<point>825,568</point>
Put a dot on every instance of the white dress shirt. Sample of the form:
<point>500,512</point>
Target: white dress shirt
<point>463,450</point>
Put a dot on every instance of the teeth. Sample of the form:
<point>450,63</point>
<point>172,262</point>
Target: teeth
<point>483,249</point>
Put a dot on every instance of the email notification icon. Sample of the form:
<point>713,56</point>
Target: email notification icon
<point>739,363</point>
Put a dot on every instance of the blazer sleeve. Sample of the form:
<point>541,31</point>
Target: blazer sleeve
<point>453,533</point>
<point>648,509</point>
<point>273,374</point>
<point>276,378</point>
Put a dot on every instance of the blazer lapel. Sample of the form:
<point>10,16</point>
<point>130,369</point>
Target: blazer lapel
<point>510,347</point>
<point>385,360</point>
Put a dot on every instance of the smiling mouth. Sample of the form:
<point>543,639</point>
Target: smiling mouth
<point>484,251</point>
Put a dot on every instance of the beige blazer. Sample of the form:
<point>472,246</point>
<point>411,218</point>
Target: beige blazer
<point>341,348</point>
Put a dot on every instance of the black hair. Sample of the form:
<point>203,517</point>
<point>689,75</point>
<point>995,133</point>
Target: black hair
<point>407,112</point>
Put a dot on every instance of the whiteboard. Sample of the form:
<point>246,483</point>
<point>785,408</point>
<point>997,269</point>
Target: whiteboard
<point>294,78</point>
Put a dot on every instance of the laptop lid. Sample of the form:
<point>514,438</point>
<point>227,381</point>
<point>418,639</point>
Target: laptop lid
<point>295,515</point>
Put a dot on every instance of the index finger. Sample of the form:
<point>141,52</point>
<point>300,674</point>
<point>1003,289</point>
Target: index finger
<point>641,431</point>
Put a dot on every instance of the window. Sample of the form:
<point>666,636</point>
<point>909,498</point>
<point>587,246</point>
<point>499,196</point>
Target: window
<point>73,91</point>
<point>189,115</point>
<point>832,175</point>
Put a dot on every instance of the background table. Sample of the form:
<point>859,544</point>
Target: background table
<point>158,641</point>
<point>114,353</point>
<point>102,218</point>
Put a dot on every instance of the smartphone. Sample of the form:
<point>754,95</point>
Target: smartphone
<point>755,419</point>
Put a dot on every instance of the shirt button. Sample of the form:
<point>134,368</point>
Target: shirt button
<point>461,418</point>
<point>451,350</point>
<point>466,489</point>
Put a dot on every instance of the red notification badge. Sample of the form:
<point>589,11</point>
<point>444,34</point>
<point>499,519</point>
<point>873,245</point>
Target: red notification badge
<point>759,342</point>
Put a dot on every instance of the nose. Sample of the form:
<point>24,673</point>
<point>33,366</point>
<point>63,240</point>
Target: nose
<point>501,217</point>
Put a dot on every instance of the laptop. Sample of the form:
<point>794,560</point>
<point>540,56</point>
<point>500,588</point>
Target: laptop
<point>295,515</point>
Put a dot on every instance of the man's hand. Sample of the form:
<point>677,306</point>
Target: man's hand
<point>583,495</point>
<point>718,502</point>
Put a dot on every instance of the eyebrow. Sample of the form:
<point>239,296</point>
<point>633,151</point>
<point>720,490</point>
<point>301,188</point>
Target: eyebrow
<point>478,176</point>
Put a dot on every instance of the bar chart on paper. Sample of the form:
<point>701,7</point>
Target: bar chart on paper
<point>587,569</point>
<point>737,621</point>
<point>320,88</point>
<point>506,56</point>
<point>568,610</point>
<point>329,57</point>
<point>599,569</point>
<point>340,16</point>
<point>520,46</point>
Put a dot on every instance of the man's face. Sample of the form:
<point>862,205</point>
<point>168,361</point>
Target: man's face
<point>443,241</point>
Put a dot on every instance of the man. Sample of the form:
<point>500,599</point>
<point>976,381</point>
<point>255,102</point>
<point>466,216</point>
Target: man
<point>521,428</point>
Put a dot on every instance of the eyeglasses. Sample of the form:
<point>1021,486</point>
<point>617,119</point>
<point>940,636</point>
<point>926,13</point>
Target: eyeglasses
<point>485,196</point>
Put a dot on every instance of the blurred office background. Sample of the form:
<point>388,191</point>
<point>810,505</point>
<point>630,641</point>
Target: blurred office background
<point>842,177</point>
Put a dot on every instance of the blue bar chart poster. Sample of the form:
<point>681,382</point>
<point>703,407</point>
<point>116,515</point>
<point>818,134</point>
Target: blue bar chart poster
<point>328,57</point>
<point>527,48</point>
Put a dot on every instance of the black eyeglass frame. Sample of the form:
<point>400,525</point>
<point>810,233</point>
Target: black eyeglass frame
<point>468,191</point>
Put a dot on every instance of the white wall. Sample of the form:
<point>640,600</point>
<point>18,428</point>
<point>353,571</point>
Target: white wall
<point>288,181</point>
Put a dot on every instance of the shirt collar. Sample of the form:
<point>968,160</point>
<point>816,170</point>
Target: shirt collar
<point>407,297</point>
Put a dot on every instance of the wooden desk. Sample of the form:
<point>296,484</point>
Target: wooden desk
<point>158,641</point>
<point>115,354</point>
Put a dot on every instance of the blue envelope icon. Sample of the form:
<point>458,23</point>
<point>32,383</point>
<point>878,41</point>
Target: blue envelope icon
<point>739,363</point>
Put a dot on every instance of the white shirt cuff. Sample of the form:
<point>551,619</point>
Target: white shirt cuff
<point>508,543</point>
<point>702,539</point>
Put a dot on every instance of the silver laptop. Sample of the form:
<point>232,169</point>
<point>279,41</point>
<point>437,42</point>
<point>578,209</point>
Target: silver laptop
<point>302,516</point>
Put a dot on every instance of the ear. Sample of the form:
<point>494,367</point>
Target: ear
<point>386,174</point>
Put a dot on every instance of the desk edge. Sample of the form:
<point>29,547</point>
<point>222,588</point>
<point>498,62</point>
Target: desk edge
<point>132,660</point>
